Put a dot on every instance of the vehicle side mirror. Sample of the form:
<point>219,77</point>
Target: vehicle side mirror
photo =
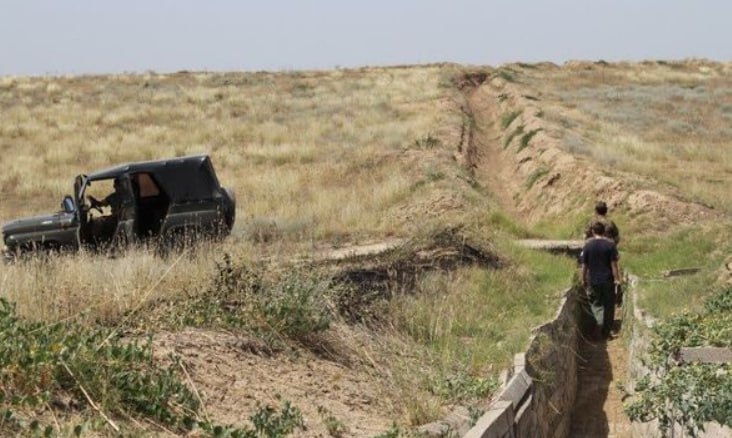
<point>68,204</point>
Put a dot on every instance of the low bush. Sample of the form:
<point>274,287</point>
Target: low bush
<point>293,305</point>
<point>689,394</point>
<point>51,370</point>
<point>42,364</point>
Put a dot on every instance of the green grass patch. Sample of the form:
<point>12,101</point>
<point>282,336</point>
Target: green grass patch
<point>474,320</point>
<point>506,75</point>
<point>569,226</point>
<point>535,175</point>
<point>526,138</point>
<point>500,221</point>
<point>509,117</point>
<point>511,136</point>
<point>649,256</point>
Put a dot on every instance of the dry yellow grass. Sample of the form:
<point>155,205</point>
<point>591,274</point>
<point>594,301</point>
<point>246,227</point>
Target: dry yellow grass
<point>328,158</point>
<point>318,154</point>
<point>670,122</point>
<point>316,159</point>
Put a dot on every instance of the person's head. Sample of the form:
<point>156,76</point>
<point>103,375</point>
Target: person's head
<point>601,208</point>
<point>598,228</point>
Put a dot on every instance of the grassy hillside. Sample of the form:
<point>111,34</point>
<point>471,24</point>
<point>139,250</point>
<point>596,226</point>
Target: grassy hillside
<point>439,157</point>
<point>662,126</point>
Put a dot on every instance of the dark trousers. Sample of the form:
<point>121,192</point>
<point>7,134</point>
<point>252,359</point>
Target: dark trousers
<point>602,305</point>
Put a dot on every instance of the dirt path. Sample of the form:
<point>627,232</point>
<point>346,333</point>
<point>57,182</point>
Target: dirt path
<point>598,408</point>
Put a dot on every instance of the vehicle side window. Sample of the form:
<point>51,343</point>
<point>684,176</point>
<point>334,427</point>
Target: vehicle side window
<point>147,186</point>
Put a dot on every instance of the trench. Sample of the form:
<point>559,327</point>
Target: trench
<point>564,384</point>
<point>598,406</point>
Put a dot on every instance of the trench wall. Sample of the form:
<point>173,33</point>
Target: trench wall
<point>539,390</point>
<point>539,395</point>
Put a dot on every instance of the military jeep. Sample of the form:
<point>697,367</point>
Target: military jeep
<point>164,201</point>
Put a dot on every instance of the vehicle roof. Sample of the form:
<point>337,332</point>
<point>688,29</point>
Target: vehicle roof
<point>148,166</point>
<point>182,179</point>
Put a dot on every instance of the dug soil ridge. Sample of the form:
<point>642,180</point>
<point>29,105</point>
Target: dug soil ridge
<point>521,158</point>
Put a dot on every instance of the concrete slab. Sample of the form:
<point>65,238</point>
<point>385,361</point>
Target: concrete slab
<point>705,355</point>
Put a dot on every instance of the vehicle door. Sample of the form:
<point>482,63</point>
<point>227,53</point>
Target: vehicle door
<point>126,231</point>
<point>69,223</point>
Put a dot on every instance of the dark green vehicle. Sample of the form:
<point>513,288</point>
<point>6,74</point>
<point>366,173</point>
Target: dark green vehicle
<point>165,200</point>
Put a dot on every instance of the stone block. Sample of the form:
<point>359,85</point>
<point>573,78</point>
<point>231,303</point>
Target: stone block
<point>705,355</point>
<point>519,361</point>
<point>517,389</point>
<point>496,423</point>
<point>682,271</point>
<point>434,430</point>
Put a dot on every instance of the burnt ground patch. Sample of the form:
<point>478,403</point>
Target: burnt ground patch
<point>372,280</point>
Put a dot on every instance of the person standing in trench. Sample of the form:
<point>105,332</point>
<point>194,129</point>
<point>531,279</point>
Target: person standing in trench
<point>600,275</point>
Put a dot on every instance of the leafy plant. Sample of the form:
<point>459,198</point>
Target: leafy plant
<point>335,427</point>
<point>689,394</point>
<point>268,423</point>
<point>462,386</point>
<point>393,432</point>
<point>96,369</point>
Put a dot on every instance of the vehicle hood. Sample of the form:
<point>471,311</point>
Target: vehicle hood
<point>38,223</point>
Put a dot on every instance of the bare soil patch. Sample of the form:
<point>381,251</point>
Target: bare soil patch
<point>235,375</point>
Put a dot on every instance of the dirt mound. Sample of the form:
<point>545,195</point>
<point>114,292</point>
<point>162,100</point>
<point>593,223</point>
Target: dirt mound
<point>525,164</point>
<point>376,277</point>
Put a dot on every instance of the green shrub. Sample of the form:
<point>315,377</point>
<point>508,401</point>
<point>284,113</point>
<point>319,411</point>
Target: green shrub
<point>39,362</point>
<point>506,75</point>
<point>427,142</point>
<point>297,305</point>
<point>690,394</point>
<point>294,305</point>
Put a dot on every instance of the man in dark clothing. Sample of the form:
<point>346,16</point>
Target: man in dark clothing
<point>104,227</point>
<point>600,274</point>
<point>611,230</point>
<point>113,200</point>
